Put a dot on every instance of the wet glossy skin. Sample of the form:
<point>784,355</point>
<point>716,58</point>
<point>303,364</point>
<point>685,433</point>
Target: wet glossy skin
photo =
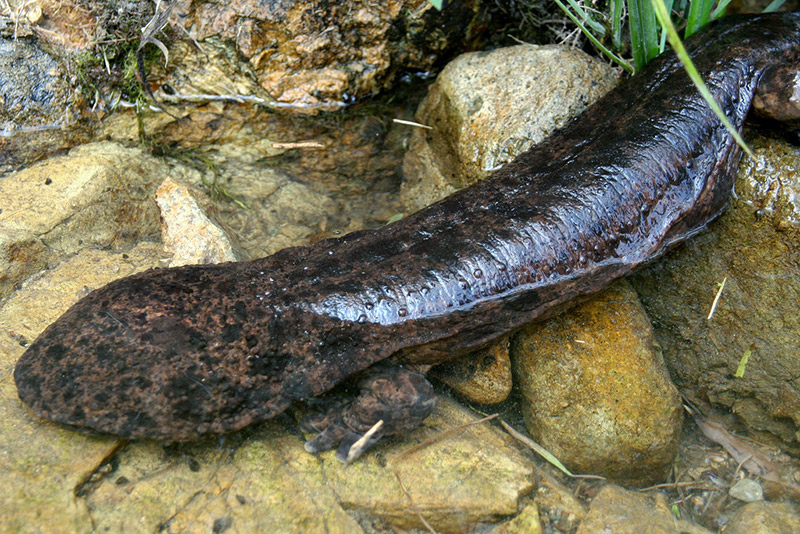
<point>177,353</point>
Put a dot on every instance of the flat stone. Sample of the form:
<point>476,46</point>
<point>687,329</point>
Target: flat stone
<point>765,518</point>
<point>456,481</point>
<point>265,483</point>
<point>262,480</point>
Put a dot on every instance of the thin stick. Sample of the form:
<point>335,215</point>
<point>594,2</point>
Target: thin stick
<point>362,443</point>
<point>299,144</point>
<point>694,484</point>
<point>412,123</point>
<point>716,299</point>
<point>443,434</point>
<point>413,504</point>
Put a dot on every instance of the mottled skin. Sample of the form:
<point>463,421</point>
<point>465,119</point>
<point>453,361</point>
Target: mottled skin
<point>174,354</point>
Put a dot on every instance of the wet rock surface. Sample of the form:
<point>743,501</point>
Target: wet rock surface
<point>617,510</point>
<point>595,391</point>
<point>755,247</point>
<point>35,110</point>
<point>483,376</point>
<point>262,479</point>
<point>189,234</point>
<point>279,181</point>
<point>316,55</point>
<point>765,517</point>
<point>288,57</point>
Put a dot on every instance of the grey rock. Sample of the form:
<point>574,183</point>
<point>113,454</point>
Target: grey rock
<point>747,490</point>
<point>485,108</point>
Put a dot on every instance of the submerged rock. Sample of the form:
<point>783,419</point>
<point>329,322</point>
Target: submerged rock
<point>454,480</point>
<point>625,512</point>
<point>483,376</point>
<point>765,518</point>
<point>97,194</point>
<point>189,234</point>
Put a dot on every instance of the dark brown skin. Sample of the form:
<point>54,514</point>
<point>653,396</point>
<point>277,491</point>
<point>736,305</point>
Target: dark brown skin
<point>173,354</point>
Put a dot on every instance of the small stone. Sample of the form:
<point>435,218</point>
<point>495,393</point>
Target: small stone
<point>482,376</point>
<point>747,490</point>
<point>526,521</point>
<point>557,504</point>
<point>626,512</point>
<point>187,231</point>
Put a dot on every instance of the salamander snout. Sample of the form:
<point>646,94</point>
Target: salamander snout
<point>146,357</point>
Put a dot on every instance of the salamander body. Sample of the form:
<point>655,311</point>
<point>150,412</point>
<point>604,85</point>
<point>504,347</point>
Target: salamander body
<point>174,354</point>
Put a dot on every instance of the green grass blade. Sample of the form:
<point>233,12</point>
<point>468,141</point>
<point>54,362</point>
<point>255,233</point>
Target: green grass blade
<point>644,32</point>
<point>616,23</point>
<point>662,44</point>
<point>722,6</point>
<point>699,12</point>
<point>743,362</point>
<point>596,28</point>
<point>691,70</point>
<point>611,55</point>
<point>774,6</point>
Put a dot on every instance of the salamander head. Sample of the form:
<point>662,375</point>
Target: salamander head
<point>153,356</point>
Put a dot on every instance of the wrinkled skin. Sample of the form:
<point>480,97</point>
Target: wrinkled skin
<point>174,354</point>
